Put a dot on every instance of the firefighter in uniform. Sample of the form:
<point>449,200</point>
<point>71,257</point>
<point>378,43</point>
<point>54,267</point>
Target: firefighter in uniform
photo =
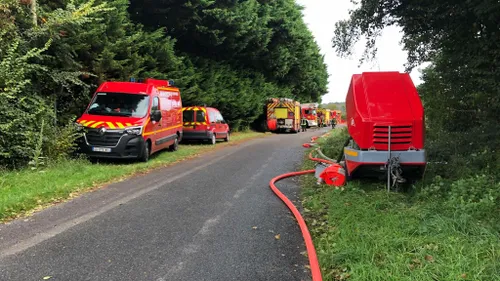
<point>333,122</point>
<point>303,124</point>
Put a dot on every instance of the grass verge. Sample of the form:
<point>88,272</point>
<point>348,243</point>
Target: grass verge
<point>364,233</point>
<point>26,191</point>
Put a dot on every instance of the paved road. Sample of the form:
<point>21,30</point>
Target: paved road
<point>191,221</point>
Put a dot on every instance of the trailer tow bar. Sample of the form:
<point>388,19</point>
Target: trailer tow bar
<point>393,166</point>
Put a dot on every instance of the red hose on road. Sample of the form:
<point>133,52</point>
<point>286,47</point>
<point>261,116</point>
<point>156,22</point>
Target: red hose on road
<point>311,252</point>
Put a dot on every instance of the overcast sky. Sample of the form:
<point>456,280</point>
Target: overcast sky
<point>320,16</point>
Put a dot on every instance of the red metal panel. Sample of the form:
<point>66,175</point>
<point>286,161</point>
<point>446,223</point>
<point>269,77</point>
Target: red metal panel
<point>377,100</point>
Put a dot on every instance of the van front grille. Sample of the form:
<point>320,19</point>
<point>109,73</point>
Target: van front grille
<point>107,139</point>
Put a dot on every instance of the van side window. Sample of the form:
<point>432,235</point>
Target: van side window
<point>213,117</point>
<point>155,105</point>
<point>219,117</point>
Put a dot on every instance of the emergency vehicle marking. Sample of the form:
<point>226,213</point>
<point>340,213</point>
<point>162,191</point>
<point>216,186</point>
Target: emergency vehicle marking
<point>270,107</point>
<point>194,123</point>
<point>194,108</point>
<point>162,130</point>
<point>96,124</point>
<point>111,125</point>
<point>289,105</point>
<point>88,123</point>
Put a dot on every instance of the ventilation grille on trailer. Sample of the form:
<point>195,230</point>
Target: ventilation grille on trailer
<point>401,134</point>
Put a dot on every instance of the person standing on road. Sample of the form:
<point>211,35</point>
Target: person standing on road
<point>303,124</point>
<point>333,123</point>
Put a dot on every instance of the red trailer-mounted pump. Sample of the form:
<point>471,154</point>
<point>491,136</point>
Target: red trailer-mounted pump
<point>385,120</point>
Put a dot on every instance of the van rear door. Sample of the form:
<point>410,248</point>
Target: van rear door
<point>201,119</point>
<point>188,119</point>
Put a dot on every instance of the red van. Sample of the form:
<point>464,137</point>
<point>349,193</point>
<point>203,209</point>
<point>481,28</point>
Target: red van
<point>204,123</point>
<point>132,120</point>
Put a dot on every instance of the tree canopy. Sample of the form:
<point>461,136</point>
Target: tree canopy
<point>228,54</point>
<point>460,89</point>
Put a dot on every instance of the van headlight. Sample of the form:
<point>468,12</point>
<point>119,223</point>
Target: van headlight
<point>134,130</point>
<point>79,127</point>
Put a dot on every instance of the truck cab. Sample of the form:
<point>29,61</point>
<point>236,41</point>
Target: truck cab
<point>132,120</point>
<point>309,112</point>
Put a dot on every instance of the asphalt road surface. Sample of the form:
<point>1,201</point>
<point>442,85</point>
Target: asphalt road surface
<point>209,218</point>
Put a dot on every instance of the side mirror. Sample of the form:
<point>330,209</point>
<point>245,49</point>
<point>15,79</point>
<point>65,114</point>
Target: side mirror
<point>156,115</point>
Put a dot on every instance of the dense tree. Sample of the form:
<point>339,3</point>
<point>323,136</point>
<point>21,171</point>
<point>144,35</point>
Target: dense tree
<point>229,54</point>
<point>268,37</point>
<point>461,90</point>
<point>25,74</point>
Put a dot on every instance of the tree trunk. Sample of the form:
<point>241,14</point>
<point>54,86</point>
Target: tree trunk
<point>33,12</point>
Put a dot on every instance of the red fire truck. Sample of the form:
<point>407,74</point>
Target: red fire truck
<point>283,114</point>
<point>309,112</point>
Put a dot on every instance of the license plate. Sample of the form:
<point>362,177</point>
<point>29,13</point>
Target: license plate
<point>189,127</point>
<point>101,149</point>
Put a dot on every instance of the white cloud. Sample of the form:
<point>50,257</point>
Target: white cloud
<point>320,16</point>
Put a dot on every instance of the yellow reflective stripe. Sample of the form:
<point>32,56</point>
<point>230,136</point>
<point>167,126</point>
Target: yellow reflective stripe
<point>82,121</point>
<point>111,125</point>
<point>166,129</point>
<point>88,123</point>
<point>128,124</point>
<point>96,124</point>
<point>120,125</point>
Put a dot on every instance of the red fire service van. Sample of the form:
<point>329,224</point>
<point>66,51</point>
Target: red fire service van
<point>204,123</point>
<point>132,119</point>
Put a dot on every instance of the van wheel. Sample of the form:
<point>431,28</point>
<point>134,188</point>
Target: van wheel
<point>175,145</point>
<point>213,140</point>
<point>145,152</point>
<point>227,137</point>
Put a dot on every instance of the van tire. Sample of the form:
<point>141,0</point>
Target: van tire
<point>227,137</point>
<point>146,151</point>
<point>175,145</point>
<point>213,140</point>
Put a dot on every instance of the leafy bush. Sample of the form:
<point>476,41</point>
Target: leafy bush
<point>475,196</point>
<point>61,142</point>
<point>332,146</point>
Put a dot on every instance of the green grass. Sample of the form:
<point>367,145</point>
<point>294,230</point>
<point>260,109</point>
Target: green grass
<point>25,191</point>
<point>364,233</point>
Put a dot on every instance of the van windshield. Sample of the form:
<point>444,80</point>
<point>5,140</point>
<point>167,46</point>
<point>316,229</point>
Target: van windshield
<point>119,104</point>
